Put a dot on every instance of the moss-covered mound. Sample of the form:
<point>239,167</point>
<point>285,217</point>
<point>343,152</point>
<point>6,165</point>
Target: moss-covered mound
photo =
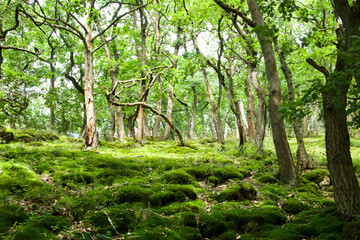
<point>5,135</point>
<point>239,192</point>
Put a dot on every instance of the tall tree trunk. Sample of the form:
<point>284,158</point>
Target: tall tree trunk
<point>286,164</point>
<point>211,124</point>
<point>250,101</point>
<point>113,74</point>
<point>193,115</point>
<point>52,89</point>
<point>214,107</point>
<point>301,154</point>
<point>91,137</point>
<point>156,126</point>
<point>111,132</point>
<point>120,123</point>
<point>260,123</point>
<point>170,105</point>
<point>342,174</point>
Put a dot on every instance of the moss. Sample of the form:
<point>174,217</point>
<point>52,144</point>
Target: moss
<point>273,191</point>
<point>186,219</point>
<point>132,194</point>
<point>10,215</point>
<point>227,172</point>
<point>36,144</point>
<point>316,175</point>
<point>122,219</point>
<point>177,177</point>
<point>287,232</point>
<point>228,235</point>
<point>213,180</point>
<point>292,205</point>
<point>238,193</point>
<point>17,178</point>
<point>5,135</point>
<point>188,233</point>
<point>175,193</point>
<point>211,225</point>
<point>77,177</point>
<point>179,149</point>
<point>50,222</point>
<point>199,172</point>
<point>267,178</point>
<point>310,188</point>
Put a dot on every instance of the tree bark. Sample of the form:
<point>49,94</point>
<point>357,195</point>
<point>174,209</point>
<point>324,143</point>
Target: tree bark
<point>301,154</point>
<point>250,101</point>
<point>193,115</point>
<point>342,174</point>
<point>91,137</point>
<point>120,123</point>
<point>169,108</point>
<point>260,124</point>
<point>286,164</point>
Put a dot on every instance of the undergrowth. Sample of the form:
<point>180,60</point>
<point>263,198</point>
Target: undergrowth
<point>159,190</point>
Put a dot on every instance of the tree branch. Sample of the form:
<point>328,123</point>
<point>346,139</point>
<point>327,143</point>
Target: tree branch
<point>228,8</point>
<point>321,69</point>
<point>144,105</point>
<point>116,19</point>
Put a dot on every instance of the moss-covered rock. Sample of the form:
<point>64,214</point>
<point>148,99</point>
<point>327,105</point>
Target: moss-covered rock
<point>214,181</point>
<point>227,172</point>
<point>5,135</point>
<point>267,178</point>
<point>177,177</point>
<point>174,193</point>
<point>212,225</point>
<point>9,215</point>
<point>199,172</point>
<point>186,219</point>
<point>239,192</point>
<point>316,175</point>
<point>17,177</point>
<point>189,233</point>
<point>292,205</point>
<point>132,194</point>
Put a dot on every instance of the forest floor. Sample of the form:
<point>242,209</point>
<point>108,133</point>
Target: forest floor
<point>159,190</point>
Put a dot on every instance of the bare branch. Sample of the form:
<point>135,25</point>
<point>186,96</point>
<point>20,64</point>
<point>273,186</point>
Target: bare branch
<point>115,21</point>
<point>229,8</point>
<point>104,43</point>
<point>321,69</point>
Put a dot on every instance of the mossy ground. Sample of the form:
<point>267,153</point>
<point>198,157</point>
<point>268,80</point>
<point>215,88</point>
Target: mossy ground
<point>158,190</point>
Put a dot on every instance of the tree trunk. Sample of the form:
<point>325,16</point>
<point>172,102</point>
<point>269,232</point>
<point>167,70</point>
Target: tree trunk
<point>91,137</point>
<point>250,101</point>
<point>155,130</point>
<point>111,132</point>
<point>342,174</point>
<point>260,124</point>
<point>211,124</point>
<point>193,115</point>
<point>301,154</point>
<point>214,108</point>
<point>286,164</point>
<point>170,105</point>
<point>52,89</point>
<point>120,123</point>
<point>156,126</point>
